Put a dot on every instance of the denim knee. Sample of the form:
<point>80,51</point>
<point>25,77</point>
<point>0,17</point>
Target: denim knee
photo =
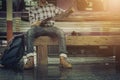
<point>60,34</point>
<point>30,32</point>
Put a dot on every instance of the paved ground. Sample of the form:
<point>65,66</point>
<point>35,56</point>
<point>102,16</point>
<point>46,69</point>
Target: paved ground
<point>84,68</point>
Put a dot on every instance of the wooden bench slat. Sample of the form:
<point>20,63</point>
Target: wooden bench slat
<point>81,40</point>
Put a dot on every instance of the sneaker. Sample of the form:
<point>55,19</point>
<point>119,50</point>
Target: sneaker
<point>30,63</point>
<point>64,63</point>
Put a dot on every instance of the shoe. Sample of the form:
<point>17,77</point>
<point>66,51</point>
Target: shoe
<point>29,64</point>
<point>64,63</point>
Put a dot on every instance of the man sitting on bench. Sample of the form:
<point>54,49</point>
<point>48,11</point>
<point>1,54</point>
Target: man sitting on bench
<point>42,19</point>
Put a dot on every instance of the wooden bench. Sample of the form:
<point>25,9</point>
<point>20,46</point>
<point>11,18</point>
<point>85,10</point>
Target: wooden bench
<point>42,43</point>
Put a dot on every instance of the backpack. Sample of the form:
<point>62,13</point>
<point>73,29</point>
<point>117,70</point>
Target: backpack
<point>14,52</point>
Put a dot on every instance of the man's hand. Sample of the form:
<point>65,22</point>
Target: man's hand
<point>71,10</point>
<point>46,20</point>
<point>36,23</point>
<point>68,12</point>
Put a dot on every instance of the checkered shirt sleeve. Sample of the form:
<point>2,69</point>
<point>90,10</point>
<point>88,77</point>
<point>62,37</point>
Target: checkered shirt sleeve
<point>42,13</point>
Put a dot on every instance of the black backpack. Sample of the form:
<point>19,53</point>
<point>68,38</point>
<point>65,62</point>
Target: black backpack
<point>14,52</point>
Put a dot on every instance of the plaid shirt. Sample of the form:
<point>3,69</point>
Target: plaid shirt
<point>44,12</point>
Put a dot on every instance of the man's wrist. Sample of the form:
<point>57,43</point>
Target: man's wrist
<point>36,23</point>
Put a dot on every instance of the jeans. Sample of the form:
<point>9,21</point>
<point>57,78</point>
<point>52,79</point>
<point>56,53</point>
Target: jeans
<point>36,32</point>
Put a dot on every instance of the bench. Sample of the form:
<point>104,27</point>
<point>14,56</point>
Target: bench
<point>42,43</point>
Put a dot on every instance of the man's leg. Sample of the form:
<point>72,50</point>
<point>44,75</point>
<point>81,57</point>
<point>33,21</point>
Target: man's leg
<point>29,57</point>
<point>30,53</point>
<point>62,45</point>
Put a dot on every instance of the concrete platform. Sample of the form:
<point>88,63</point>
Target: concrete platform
<point>84,68</point>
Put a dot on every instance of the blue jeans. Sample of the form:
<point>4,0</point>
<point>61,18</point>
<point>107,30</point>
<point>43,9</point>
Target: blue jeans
<point>35,32</point>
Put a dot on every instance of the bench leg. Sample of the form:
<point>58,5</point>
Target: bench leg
<point>42,55</point>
